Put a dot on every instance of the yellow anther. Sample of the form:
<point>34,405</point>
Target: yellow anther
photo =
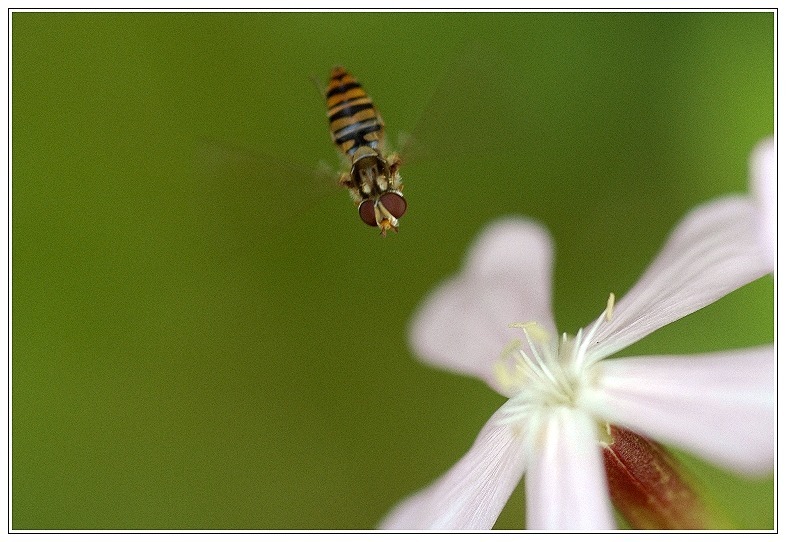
<point>512,346</point>
<point>610,307</point>
<point>535,331</point>
<point>502,373</point>
<point>604,435</point>
<point>510,378</point>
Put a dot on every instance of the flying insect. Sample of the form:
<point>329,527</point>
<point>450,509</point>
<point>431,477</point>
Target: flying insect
<point>357,129</point>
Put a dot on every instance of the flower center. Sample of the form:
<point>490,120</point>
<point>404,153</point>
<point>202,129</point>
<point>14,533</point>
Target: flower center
<point>544,372</point>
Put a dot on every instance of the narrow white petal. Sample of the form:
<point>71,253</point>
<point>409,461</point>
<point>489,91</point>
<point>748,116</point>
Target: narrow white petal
<point>566,481</point>
<point>762,178</point>
<point>463,324</point>
<point>473,492</point>
<point>713,251</point>
<point>719,406</point>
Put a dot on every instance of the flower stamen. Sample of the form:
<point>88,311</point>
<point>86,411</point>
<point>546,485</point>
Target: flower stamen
<point>580,360</point>
<point>610,307</point>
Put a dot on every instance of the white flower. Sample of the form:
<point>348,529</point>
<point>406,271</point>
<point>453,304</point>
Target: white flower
<point>562,390</point>
<point>762,180</point>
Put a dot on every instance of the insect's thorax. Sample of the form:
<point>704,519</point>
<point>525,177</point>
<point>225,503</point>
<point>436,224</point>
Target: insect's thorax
<point>371,174</point>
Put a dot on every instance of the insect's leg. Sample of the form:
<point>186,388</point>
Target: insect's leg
<point>394,161</point>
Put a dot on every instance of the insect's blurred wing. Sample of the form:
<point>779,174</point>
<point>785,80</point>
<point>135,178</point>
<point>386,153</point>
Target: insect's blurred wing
<point>472,112</point>
<point>256,191</point>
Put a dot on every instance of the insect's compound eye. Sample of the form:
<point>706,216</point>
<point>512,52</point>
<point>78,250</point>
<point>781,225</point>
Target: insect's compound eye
<point>394,203</point>
<point>367,215</point>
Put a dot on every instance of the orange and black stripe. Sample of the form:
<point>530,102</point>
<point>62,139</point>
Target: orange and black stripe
<point>354,121</point>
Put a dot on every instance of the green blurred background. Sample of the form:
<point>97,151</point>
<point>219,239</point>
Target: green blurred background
<point>202,339</point>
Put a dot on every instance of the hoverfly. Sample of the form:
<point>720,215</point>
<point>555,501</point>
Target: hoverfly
<point>461,120</point>
<point>357,129</point>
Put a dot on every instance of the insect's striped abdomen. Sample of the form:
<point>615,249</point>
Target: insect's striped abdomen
<point>354,121</point>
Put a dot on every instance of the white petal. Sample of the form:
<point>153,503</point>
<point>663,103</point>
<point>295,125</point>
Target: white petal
<point>713,251</point>
<point>566,480</point>
<point>763,176</point>
<point>473,492</point>
<point>719,406</point>
<point>463,324</point>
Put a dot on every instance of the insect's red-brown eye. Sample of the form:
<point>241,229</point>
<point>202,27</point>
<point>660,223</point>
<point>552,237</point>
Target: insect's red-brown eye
<point>366,209</point>
<point>394,203</point>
